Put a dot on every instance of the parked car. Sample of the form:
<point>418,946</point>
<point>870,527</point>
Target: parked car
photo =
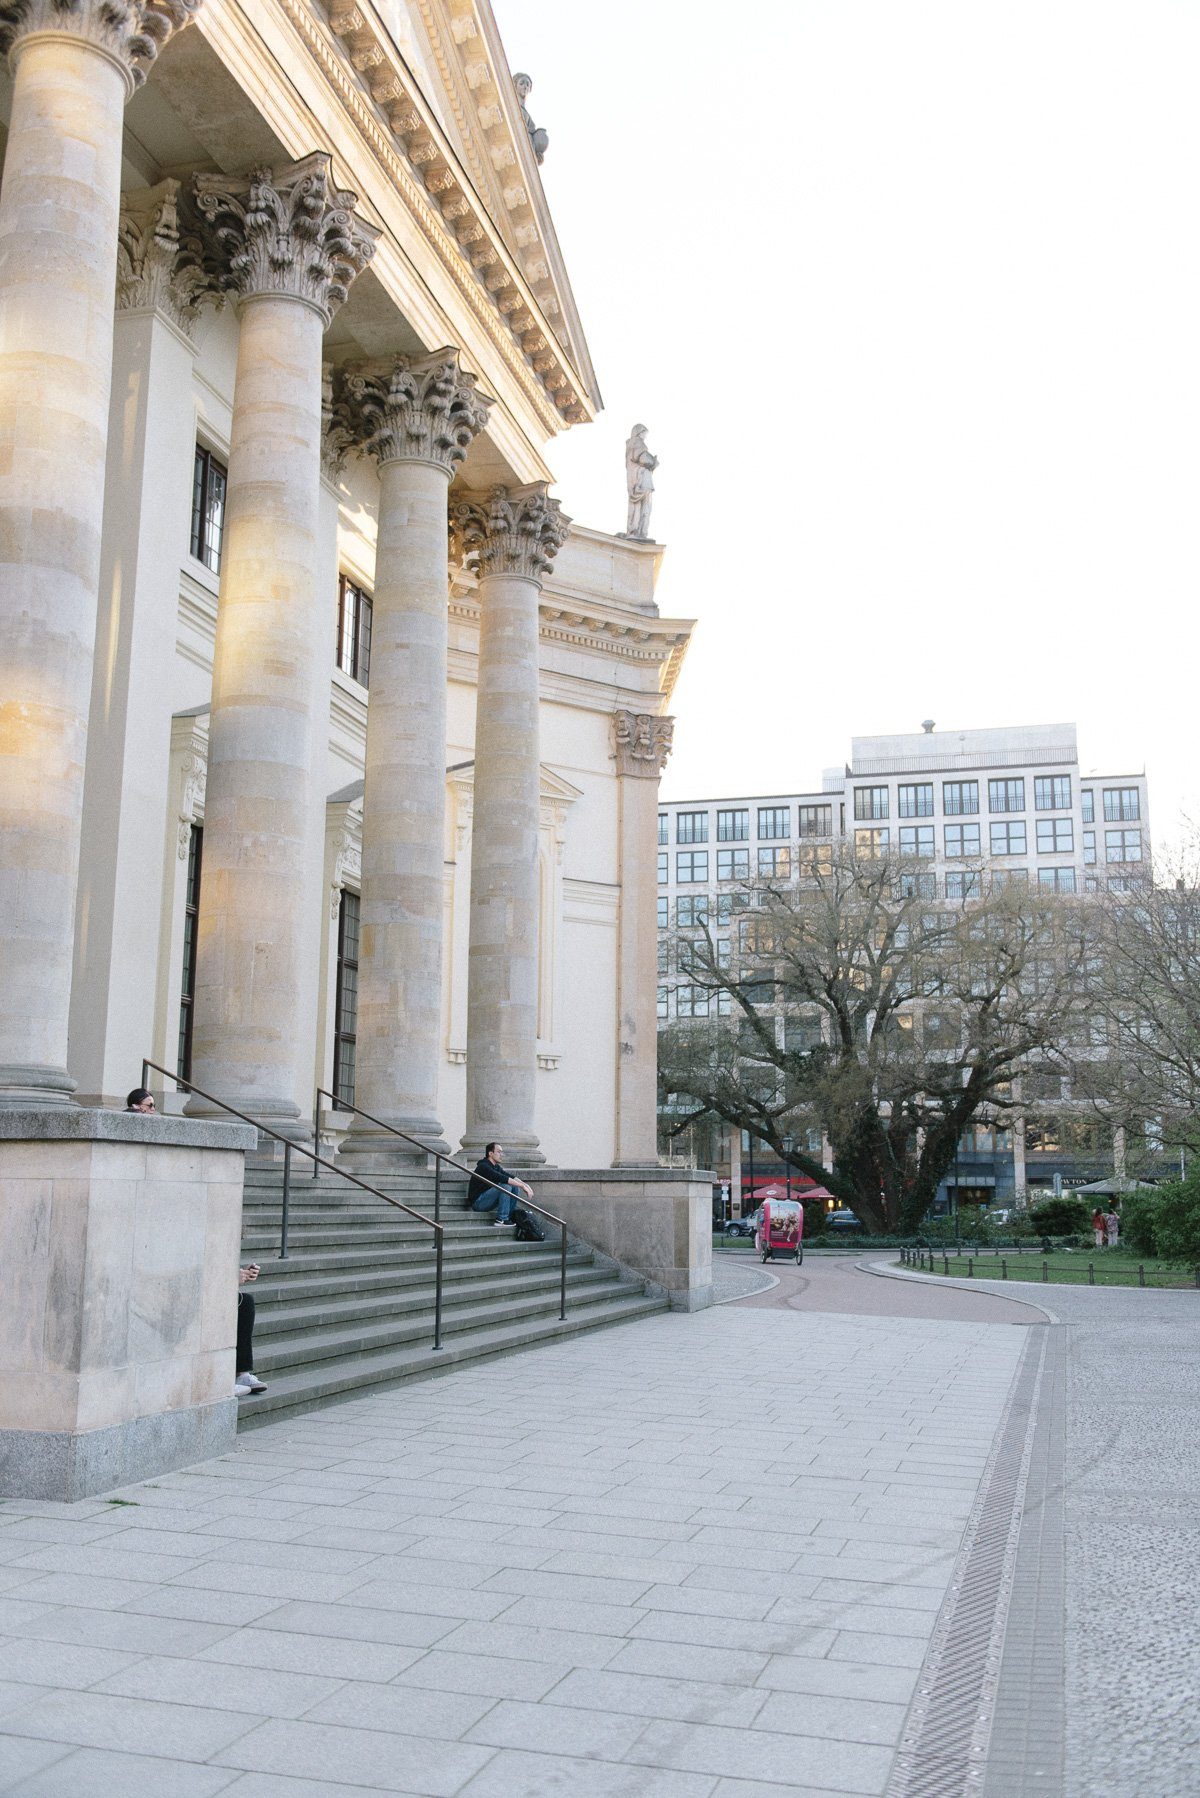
<point>743,1226</point>
<point>842,1220</point>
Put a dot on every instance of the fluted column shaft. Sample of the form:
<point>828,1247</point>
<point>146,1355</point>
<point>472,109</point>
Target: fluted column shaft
<point>515,536</point>
<point>261,892</point>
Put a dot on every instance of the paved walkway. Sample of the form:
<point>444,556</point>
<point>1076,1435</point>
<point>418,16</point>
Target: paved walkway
<point>720,1556</point>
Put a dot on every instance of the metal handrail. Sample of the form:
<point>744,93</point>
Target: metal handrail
<point>288,1145</point>
<point>340,1104</point>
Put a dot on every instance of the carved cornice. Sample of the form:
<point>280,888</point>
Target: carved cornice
<point>512,530</point>
<point>149,275</point>
<point>290,233</point>
<point>641,743</point>
<point>132,32</point>
<point>514,303</point>
<point>411,409</point>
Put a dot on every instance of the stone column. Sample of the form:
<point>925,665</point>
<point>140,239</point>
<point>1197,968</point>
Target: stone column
<point>146,510</point>
<point>287,246</point>
<point>417,417</point>
<point>513,536</point>
<point>641,745</point>
<point>73,70</point>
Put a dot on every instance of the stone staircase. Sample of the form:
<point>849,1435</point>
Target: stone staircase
<point>351,1308</point>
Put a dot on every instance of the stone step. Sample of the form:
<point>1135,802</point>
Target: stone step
<point>327,1260</point>
<point>318,1233</point>
<point>336,1310</point>
<point>286,1287</point>
<point>305,1388</point>
<point>285,1349</point>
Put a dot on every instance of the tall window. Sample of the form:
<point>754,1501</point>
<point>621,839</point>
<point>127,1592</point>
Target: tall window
<point>960,798</point>
<point>663,822</point>
<point>1122,805</point>
<point>916,801</point>
<point>345,1019</point>
<point>1052,793</point>
<point>1062,880</point>
<point>664,1002</point>
<point>733,826</point>
<point>1089,847</point>
<point>1055,836</point>
<point>354,631</point>
<point>691,865</point>
<point>916,839</point>
<point>1008,838</point>
<point>187,992</point>
<point>774,821</point>
<point>664,867</point>
<point>1087,800</point>
<point>774,864</point>
<point>871,842</point>
<point>1122,845</point>
<point>870,802</point>
<point>733,864</point>
<point>208,508</point>
<point>691,827</point>
<point>1006,795</point>
<point>961,840</point>
<point>816,821</point>
<point>664,913</point>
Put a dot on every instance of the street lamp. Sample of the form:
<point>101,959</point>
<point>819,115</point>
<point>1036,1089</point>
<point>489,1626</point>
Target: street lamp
<point>789,1143</point>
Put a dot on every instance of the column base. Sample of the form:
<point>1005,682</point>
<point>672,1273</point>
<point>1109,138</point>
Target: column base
<point>367,1149</point>
<point>26,1084</point>
<point>520,1150</point>
<point>281,1115</point>
<point>71,1464</point>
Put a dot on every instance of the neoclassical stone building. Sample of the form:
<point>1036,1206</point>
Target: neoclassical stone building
<point>329,746</point>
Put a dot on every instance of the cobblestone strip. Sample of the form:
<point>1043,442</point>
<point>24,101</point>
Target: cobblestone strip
<point>943,1748</point>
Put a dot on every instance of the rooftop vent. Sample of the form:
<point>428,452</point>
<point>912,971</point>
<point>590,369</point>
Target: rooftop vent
<point>927,726</point>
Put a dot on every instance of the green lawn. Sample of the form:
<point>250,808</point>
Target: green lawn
<point>1110,1267</point>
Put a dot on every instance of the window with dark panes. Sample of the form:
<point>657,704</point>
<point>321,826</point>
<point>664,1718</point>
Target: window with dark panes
<point>960,798</point>
<point>1055,836</point>
<point>1006,795</point>
<point>774,821</point>
<point>664,913</point>
<point>870,842</point>
<point>664,867</point>
<point>1060,880</point>
<point>691,909</point>
<point>1087,800</point>
<point>1008,838</point>
<point>354,631</point>
<point>1052,793</point>
<point>345,1017</point>
<point>870,802</point>
<point>733,825</point>
<point>208,508</point>
<point>963,886</point>
<point>733,864</point>
<point>816,821</point>
<point>916,839</point>
<point>916,801</point>
<point>691,865</point>
<point>191,913</point>
<point>961,840</point>
<point>773,864</point>
<point>691,827</point>
<point>1122,805</point>
<point>663,822</point>
<point>1122,845</point>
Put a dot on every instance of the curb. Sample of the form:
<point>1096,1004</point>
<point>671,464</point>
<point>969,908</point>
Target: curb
<point>987,1287</point>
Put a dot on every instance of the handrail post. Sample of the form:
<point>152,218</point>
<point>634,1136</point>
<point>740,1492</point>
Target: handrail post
<point>437,1189</point>
<point>287,1193</point>
<point>437,1294</point>
<point>562,1290</point>
<point>316,1132</point>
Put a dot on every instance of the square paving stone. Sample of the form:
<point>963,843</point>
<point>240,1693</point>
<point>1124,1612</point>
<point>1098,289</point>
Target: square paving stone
<point>97,1773</point>
<point>369,1757</point>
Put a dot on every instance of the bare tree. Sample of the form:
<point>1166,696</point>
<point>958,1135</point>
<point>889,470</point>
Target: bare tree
<point>857,1008</point>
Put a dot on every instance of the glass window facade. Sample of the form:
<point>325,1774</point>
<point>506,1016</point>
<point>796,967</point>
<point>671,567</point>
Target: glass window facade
<point>663,825</point>
<point>774,864</point>
<point>915,801</point>
<point>916,839</point>
<point>870,802</point>
<point>774,821</point>
<point>1008,838</point>
<point>733,825</point>
<point>1087,800</point>
<point>664,913</point>
<point>960,798</point>
<point>963,884</point>
<point>733,864</point>
<point>691,866</point>
<point>1122,845</point>
<point>691,1002</point>
<point>664,867</point>
<point>1052,793</point>
<point>816,821</point>
<point>961,840</point>
<point>1006,795</point>
<point>1061,880</point>
<point>691,827</point>
<point>691,909</point>
<point>1122,805</point>
<point>871,842</point>
<point>1055,836</point>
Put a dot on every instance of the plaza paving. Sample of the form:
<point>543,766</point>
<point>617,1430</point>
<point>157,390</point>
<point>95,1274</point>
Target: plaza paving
<point>691,1557</point>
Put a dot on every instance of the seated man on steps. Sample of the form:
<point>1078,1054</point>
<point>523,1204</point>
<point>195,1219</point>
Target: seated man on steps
<point>482,1194</point>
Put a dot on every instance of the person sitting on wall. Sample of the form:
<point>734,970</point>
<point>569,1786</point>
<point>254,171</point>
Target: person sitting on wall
<point>246,1380</point>
<point>489,1175</point>
<point>140,1099</point>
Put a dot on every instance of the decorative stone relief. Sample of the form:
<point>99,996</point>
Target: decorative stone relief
<point>344,845</point>
<point>641,743</point>
<point>149,276</point>
<point>134,31</point>
<point>412,409</point>
<point>512,530</point>
<point>337,438</point>
<point>290,233</point>
<point>189,756</point>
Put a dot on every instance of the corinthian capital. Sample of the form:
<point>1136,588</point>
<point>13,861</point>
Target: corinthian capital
<point>641,743</point>
<point>150,274</point>
<point>512,530</point>
<point>131,31</point>
<point>414,409</point>
<point>289,232</point>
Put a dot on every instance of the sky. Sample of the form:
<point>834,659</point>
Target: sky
<point>908,295</point>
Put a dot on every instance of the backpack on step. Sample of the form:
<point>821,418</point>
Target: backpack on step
<point>527,1228</point>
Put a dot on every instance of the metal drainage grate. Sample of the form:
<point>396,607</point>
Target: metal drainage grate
<point>944,1745</point>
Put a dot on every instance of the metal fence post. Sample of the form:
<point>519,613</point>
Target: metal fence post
<point>1004,1267</point>
<point>316,1133</point>
<point>1091,1273</point>
<point>437,1294</point>
<point>945,1263</point>
<point>1141,1273</point>
<point>562,1303</point>
<point>287,1193</point>
<point>437,1189</point>
<point>1045,1272</point>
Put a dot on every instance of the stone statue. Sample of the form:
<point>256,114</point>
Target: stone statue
<point>639,477</point>
<point>537,137</point>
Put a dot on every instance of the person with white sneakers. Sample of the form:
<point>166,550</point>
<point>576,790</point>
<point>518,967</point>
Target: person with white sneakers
<point>246,1380</point>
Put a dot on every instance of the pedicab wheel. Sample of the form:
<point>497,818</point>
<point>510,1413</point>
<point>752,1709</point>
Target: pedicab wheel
<point>766,1254</point>
<point>799,1256</point>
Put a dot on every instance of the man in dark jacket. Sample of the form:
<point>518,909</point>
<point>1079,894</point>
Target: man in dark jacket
<point>489,1174</point>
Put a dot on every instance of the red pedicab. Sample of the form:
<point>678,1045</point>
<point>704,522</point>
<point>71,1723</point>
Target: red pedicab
<point>781,1231</point>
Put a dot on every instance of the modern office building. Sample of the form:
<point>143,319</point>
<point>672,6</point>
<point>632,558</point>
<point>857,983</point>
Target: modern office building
<point>970,809</point>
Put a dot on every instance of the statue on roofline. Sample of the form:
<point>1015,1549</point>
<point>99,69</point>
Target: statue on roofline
<point>640,464</point>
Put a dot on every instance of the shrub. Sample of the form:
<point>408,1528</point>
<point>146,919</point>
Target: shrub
<point>1065,1216</point>
<point>1139,1221</point>
<point>1177,1221</point>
